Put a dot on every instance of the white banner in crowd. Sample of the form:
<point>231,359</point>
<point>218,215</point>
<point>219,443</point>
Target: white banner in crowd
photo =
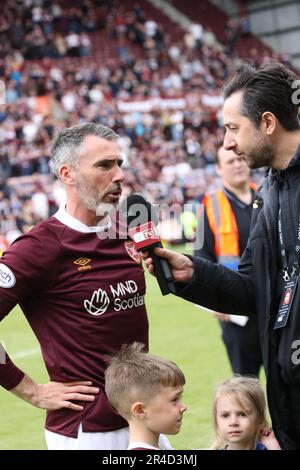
<point>151,104</point>
<point>146,106</point>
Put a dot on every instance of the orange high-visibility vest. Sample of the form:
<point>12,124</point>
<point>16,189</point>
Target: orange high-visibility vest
<point>223,225</point>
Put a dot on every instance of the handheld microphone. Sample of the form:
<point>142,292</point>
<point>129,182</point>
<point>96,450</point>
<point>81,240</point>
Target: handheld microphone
<point>142,219</point>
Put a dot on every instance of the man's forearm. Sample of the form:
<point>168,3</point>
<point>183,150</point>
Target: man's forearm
<point>27,390</point>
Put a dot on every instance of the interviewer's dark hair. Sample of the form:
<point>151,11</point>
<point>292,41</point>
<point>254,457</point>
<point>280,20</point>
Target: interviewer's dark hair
<point>268,88</point>
<point>135,375</point>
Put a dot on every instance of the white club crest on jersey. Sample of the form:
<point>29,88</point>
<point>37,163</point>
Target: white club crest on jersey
<point>7,277</point>
<point>132,251</point>
<point>98,304</point>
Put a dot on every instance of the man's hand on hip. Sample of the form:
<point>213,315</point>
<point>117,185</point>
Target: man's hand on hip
<point>55,395</point>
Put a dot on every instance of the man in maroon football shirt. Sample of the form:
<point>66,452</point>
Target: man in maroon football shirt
<point>82,292</point>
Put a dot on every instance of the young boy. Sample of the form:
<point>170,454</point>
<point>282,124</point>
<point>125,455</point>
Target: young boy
<point>147,391</point>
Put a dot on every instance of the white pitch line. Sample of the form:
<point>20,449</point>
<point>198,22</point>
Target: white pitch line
<point>29,352</point>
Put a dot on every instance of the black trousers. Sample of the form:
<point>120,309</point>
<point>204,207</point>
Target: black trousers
<point>293,391</point>
<point>242,345</point>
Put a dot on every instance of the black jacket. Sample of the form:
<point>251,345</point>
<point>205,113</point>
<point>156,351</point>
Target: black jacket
<point>256,287</point>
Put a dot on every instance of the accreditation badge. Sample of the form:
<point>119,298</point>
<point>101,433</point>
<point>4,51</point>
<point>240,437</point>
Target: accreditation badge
<point>286,302</point>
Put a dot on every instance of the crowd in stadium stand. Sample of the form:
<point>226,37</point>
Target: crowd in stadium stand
<point>166,104</point>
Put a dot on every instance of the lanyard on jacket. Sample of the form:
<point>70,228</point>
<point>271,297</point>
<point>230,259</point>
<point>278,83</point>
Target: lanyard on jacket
<point>288,272</point>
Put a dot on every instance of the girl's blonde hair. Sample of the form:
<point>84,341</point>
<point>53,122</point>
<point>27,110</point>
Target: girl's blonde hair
<point>240,388</point>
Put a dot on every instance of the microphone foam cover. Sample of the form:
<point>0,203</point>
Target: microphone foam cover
<point>136,208</point>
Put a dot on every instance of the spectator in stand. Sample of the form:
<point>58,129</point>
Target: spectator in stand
<point>196,30</point>
<point>232,33</point>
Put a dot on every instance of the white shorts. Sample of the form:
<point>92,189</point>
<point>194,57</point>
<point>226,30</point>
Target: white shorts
<point>112,440</point>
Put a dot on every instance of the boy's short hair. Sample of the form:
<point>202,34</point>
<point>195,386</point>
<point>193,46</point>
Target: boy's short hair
<point>135,375</point>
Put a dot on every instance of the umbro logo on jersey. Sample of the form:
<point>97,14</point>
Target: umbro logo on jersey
<point>82,261</point>
<point>83,264</point>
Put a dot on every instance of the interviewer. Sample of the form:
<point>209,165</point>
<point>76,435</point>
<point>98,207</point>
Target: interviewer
<point>262,124</point>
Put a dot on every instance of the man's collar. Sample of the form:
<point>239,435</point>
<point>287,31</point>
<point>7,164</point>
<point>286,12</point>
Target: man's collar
<point>67,219</point>
<point>230,195</point>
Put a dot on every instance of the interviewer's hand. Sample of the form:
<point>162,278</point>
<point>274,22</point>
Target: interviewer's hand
<point>181,266</point>
<point>55,395</point>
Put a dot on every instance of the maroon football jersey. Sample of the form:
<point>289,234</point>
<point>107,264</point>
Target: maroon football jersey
<point>83,296</point>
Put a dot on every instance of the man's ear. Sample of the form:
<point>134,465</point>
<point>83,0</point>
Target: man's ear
<point>138,410</point>
<point>67,175</point>
<point>268,123</point>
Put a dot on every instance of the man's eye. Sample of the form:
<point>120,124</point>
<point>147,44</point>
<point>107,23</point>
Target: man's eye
<point>104,165</point>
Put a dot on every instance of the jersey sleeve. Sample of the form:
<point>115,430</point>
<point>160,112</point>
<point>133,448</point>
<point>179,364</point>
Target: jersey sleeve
<point>24,267</point>
<point>10,374</point>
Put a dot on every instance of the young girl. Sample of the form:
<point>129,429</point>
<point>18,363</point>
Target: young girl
<point>239,416</point>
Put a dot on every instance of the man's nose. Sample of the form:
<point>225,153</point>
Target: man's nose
<point>118,174</point>
<point>229,142</point>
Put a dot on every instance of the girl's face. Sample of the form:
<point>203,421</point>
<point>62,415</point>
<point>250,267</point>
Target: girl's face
<point>237,426</point>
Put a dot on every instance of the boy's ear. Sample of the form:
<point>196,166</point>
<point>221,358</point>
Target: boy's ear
<point>138,410</point>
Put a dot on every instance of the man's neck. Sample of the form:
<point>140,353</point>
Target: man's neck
<point>85,216</point>
<point>286,147</point>
<point>242,192</point>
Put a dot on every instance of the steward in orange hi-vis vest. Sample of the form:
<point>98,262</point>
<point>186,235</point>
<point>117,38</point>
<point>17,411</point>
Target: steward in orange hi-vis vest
<point>224,227</point>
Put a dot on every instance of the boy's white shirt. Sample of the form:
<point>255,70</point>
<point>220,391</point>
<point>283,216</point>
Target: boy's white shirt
<point>143,445</point>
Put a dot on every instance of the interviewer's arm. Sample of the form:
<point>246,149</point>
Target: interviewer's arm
<point>216,287</point>
<point>211,285</point>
